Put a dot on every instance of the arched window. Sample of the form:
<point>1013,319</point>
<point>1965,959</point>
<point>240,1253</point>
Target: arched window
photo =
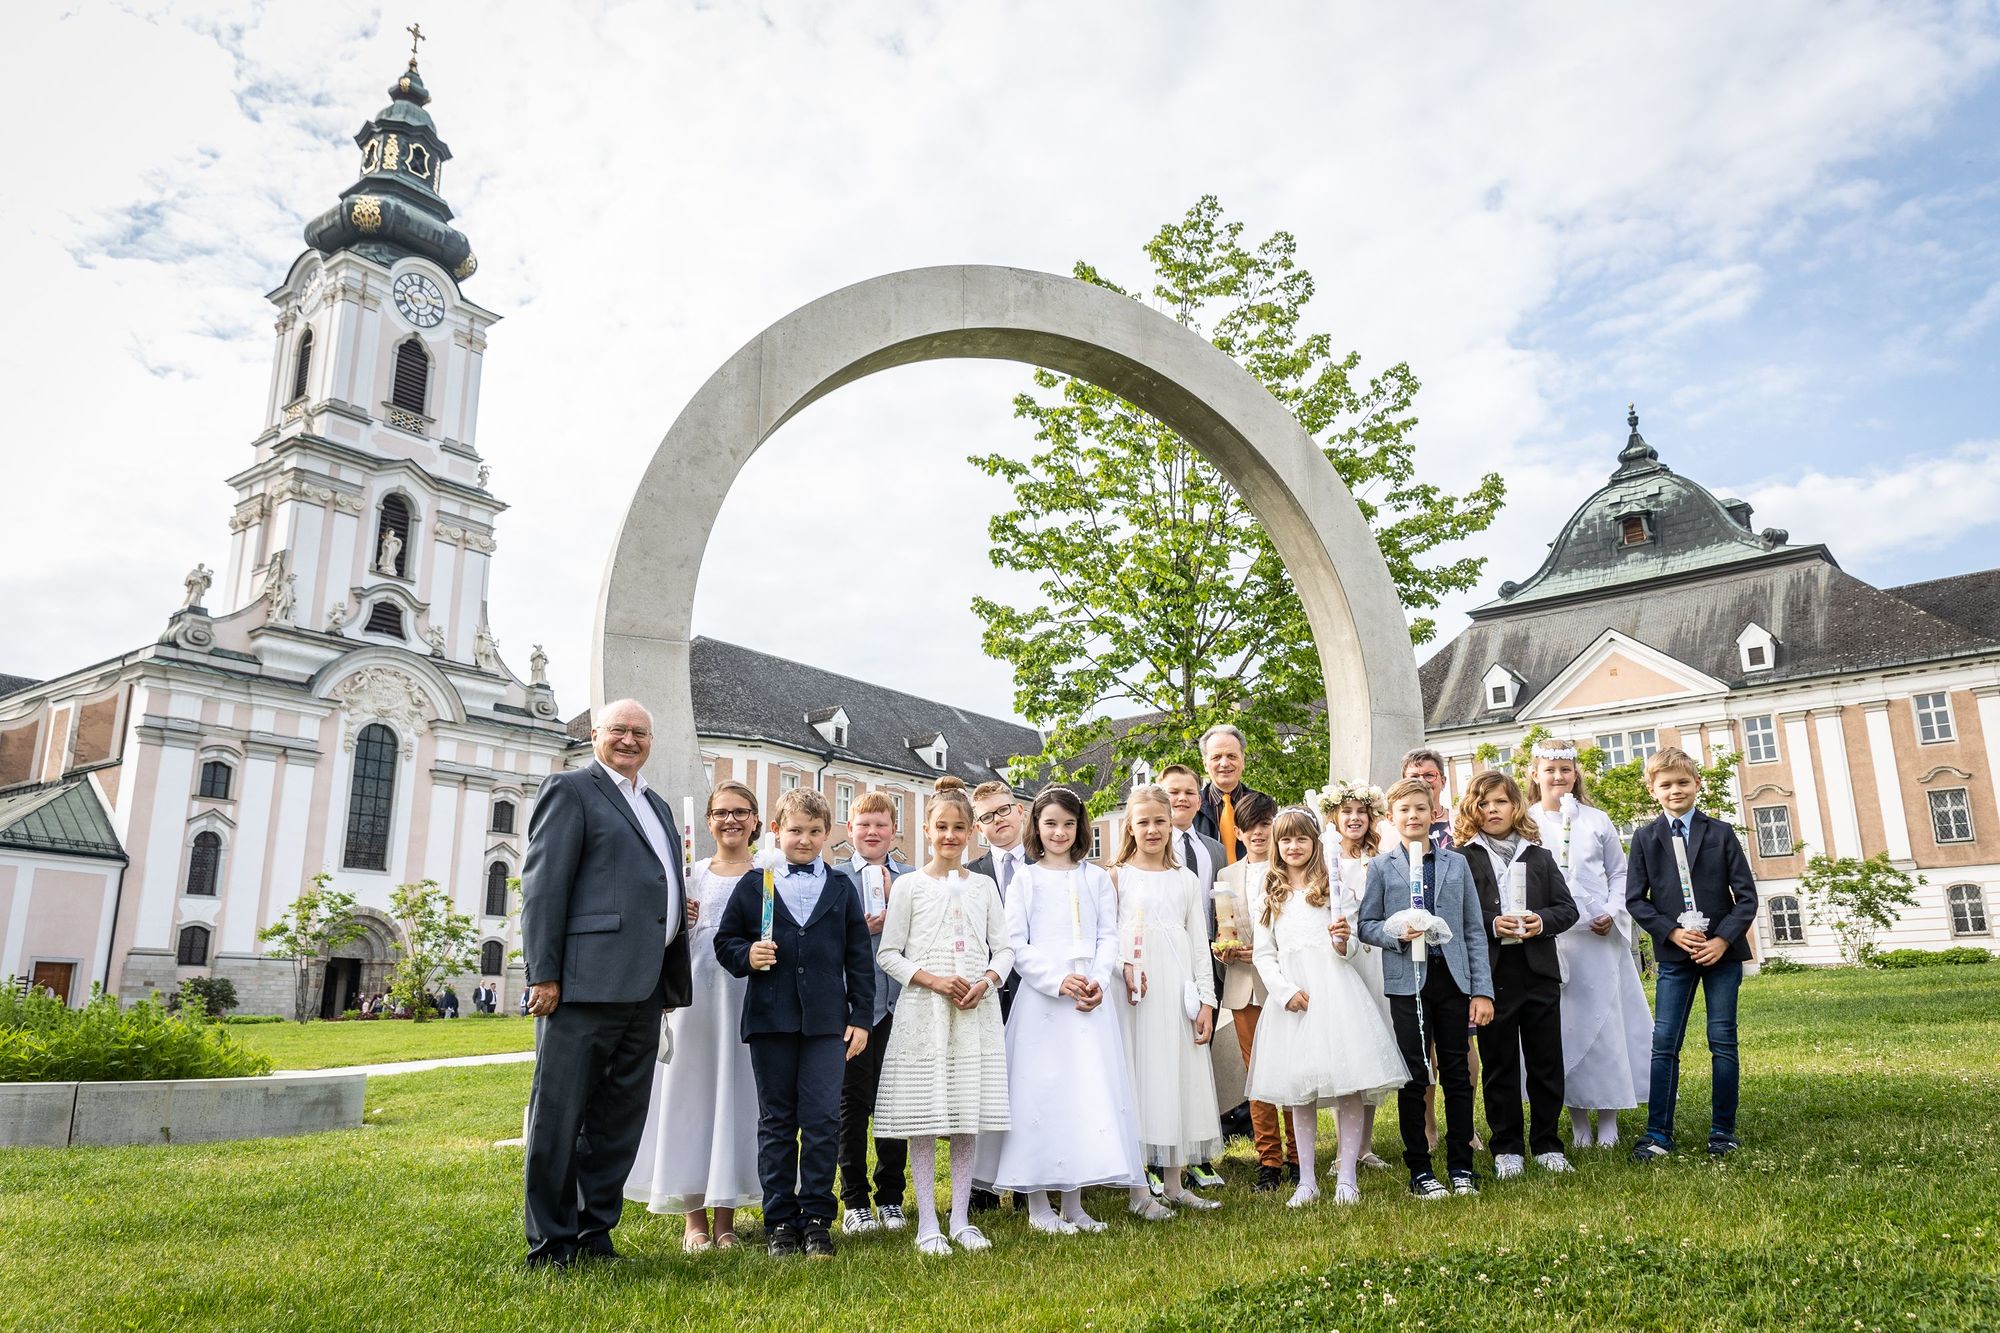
<point>215,775</point>
<point>492,960</point>
<point>204,864</point>
<point>1788,925</point>
<point>393,516</point>
<point>193,951</point>
<point>496,889</point>
<point>386,618</point>
<point>503,816</point>
<point>1968,909</point>
<point>302,364</point>
<point>371,799</point>
<point>413,375</point>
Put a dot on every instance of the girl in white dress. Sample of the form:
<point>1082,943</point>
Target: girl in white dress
<point>1066,1069</point>
<point>1607,1030</point>
<point>1169,1009</point>
<point>1354,813</point>
<point>944,1074</point>
<point>699,1147</point>
<point>1322,1040</point>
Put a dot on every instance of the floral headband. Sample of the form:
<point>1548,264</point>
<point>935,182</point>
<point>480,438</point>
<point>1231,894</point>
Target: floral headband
<point>1338,793</point>
<point>1555,750</point>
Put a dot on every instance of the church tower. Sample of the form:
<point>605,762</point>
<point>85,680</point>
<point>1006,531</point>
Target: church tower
<point>365,513</point>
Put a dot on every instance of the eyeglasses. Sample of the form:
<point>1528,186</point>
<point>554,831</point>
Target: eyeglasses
<point>636,733</point>
<point>729,816</point>
<point>992,815</point>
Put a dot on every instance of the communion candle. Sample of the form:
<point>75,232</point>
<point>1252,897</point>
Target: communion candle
<point>872,878</point>
<point>1415,852</point>
<point>687,838</point>
<point>1516,901</point>
<point>957,882</point>
<point>1138,953</point>
<point>1226,918</point>
<point>770,899</point>
<point>1075,920</point>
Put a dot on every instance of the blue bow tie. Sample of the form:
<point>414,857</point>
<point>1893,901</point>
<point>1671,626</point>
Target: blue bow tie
<point>805,869</point>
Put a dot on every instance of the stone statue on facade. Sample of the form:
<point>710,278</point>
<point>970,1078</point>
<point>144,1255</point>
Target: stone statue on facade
<point>336,616</point>
<point>485,474</point>
<point>436,640</point>
<point>198,581</point>
<point>392,547</point>
<point>538,667</point>
<point>486,650</point>
<point>277,589</point>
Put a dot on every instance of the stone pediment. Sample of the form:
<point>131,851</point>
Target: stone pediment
<point>1618,671</point>
<point>383,694</point>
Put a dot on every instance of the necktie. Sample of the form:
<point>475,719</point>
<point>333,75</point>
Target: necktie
<point>1680,829</point>
<point>1006,869</point>
<point>1187,842</point>
<point>1225,830</point>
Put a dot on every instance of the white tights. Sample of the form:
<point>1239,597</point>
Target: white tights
<point>923,1174</point>
<point>1072,1207</point>
<point>1349,1117</point>
<point>1579,1127</point>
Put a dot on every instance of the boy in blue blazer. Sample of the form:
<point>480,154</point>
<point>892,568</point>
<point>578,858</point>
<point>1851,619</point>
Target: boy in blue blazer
<point>806,1013</point>
<point>1681,865</point>
<point>1436,1001</point>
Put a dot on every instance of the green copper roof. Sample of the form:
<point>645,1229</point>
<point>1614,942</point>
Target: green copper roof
<point>62,817</point>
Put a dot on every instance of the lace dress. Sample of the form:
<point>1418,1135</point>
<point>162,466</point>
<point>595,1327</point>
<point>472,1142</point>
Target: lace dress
<point>1163,931</point>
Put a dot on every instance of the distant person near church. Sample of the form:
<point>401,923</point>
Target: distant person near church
<point>1222,757</point>
<point>604,939</point>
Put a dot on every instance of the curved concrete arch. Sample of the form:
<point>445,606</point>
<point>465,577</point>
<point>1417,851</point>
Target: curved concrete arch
<point>646,604</point>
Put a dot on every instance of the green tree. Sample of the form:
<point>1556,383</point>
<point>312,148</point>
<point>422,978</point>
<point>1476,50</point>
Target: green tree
<point>1161,593</point>
<point>1619,790</point>
<point>437,944</point>
<point>1857,898</point>
<point>319,921</point>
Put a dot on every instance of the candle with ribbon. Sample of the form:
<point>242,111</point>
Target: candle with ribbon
<point>687,838</point>
<point>1415,851</point>
<point>770,900</point>
<point>1138,954</point>
<point>873,884</point>
<point>1516,902</point>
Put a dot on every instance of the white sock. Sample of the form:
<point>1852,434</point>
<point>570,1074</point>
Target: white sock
<point>961,1182</point>
<point>1305,1133</point>
<point>1607,1129</point>
<point>1038,1206</point>
<point>1072,1208</point>
<point>923,1174</point>
<point>1347,1114</point>
<point>1579,1126</point>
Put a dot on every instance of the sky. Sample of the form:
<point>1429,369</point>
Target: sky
<point>1774,227</point>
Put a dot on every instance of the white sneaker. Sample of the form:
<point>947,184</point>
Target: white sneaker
<point>1551,1161</point>
<point>858,1220</point>
<point>1507,1165</point>
<point>1304,1197</point>
<point>891,1217</point>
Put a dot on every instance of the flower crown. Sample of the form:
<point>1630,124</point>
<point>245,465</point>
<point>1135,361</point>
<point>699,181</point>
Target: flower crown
<point>1338,793</point>
<point>1555,750</point>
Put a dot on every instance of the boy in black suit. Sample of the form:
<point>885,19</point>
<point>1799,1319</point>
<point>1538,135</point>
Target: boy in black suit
<point>1502,846</point>
<point>1688,883</point>
<point>805,1014</point>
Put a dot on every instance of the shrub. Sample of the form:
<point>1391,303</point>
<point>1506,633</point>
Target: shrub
<point>43,1040</point>
<point>1897,959</point>
<point>217,995</point>
<point>239,1019</point>
<point>1777,962</point>
<point>350,1014</point>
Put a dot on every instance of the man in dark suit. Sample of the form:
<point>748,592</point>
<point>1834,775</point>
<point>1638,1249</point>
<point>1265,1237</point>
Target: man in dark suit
<point>603,935</point>
<point>1222,758</point>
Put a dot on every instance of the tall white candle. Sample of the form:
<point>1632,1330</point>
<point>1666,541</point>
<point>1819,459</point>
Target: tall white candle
<point>1415,850</point>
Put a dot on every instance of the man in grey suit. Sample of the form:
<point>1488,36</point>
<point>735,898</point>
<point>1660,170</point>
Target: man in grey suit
<point>1203,855</point>
<point>605,944</point>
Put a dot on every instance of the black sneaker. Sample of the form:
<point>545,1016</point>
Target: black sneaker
<point>1721,1145</point>
<point>819,1241</point>
<point>1267,1178</point>
<point>1203,1175</point>
<point>1648,1150</point>
<point>1292,1173</point>
<point>1464,1182</point>
<point>784,1242</point>
<point>1427,1186</point>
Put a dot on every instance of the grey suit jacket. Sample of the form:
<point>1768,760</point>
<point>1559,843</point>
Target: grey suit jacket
<point>595,899</point>
<point>1456,900</point>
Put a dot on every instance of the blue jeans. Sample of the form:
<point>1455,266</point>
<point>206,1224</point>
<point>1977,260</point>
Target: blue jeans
<point>1672,1003</point>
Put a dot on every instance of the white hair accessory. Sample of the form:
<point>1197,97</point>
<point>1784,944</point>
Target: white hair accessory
<point>1555,750</point>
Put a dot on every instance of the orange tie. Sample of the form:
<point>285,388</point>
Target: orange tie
<point>1226,828</point>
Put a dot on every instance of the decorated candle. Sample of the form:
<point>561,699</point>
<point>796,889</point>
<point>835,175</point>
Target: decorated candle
<point>770,898</point>
<point>1075,919</point>
<point>1415,851</point>
<point>872,881</point>
<point>687,837</point>
<point>1227,927</point>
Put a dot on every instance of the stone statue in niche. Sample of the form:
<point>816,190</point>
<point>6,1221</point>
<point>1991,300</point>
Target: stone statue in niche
<point>436,640</point>
<point>486,650</point>
<point>392,552</point>
<point>538,667</point>
<point>336,616</point>
<point>284,600</point>
<point>197,583</point>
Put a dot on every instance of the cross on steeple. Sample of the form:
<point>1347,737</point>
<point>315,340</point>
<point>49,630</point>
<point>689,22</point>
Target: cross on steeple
<point>416,31</point>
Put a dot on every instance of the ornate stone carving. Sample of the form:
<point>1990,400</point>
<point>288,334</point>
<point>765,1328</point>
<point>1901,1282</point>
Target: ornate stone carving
<point>336,616</point>
<point>278,588</point>
<point>473,538</point>
<point>249,513</point>
<point>392,549</point>
<point>350,504</point>
<point>404,419</point>
<point>538,666</point>
<point>197,584</point>
<point>485,474</point>
<point>466,266</point>
<point>382,693</point>
<point>295,409</point>
<point>436,640</point>
<point>486,650</point>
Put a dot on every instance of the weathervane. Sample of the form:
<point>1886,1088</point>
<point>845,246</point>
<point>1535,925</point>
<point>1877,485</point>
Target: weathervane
<point>416,31</point>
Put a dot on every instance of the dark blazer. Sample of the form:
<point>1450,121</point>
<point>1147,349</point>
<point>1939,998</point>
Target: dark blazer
<point>824,980</point>
<point>1548,898</point>
<point>1206,819</point>
<point>983,865</point>
<point>1720,872</point>
<point>595,899</point>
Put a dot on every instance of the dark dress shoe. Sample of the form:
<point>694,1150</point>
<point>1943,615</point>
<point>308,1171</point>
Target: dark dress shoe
<point>552,1261</point>
<point>784,1242</point>
<point>599,1252</point>
<point>819,1241</point>
<point>1267,1178</point>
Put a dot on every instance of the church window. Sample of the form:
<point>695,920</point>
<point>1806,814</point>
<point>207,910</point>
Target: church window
<point>1951,815</point>
<point>496,889</point>
<point>193,950</point>
<point>1760,740</point>
<point>1788,924</point>
<point>371,799</point>
<point>1774,829</point>
<point>386,618</point>
<point>1933,718</point>
<point>204,864</point>
<point>503,816</point>
<point>492,959</point>
<point>1968,909</point>
<point>413,375</point>
<point>417,161</point>
<point>392,517</point>
<point>215,775</point>
<point>1635,529</point>
<point>302,364</point>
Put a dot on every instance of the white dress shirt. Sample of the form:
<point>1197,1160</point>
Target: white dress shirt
<point>1008,865</point>
<point>634,792</point>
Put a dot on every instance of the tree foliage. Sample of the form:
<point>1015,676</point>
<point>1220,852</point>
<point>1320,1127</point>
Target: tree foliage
<point>1857,898</point>
<point>319,921</point>
<point>1619,790</point>
<point>1162,595</point>
<point>437,943</point>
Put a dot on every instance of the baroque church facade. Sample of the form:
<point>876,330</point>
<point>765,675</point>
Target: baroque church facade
<point>332,697</point>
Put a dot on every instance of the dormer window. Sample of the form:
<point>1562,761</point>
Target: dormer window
<point>1501,687</point>
<point>1142,774</point>
<point>1635,529</point>
<point>831,724</point>
<point>1756,649</point>
<point>933,749</point>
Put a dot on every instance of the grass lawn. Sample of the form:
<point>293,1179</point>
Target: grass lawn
<point>319,1045</point>
<point>1865,1198</point>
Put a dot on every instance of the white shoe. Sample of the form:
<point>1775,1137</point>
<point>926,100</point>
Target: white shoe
<point>1345,1193</point>
<point>1085,1222</point>
<point>1152,1210</point>
<point>1189,1200</point>
<point>1304,1197</point>
<point>1553,1162</point>
<point>933,1245</point>
<point>1507,1165</point>
<point>1053,1225</point>
<point>891,1217</point>
<point>971,1238</point>
<point>858,1220</point>
<point>1374,1163</point>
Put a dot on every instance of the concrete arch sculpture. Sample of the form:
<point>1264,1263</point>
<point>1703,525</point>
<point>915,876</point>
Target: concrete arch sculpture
<point>646,604</point>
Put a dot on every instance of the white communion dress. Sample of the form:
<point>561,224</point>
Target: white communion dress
<point>1368,962</point>
<point>1163,932</point>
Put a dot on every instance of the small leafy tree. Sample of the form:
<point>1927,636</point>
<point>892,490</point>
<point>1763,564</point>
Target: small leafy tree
<point>437,943</point>
<point>320,920</point>
<point>1619,790</point>
<point>215,996</point>
<point>1857,898</point>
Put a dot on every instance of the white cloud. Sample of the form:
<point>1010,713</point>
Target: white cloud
<point>1920,504</point>
<point>648,186</point>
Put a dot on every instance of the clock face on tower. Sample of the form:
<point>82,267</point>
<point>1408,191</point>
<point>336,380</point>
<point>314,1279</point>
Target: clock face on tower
<point>419,300</point>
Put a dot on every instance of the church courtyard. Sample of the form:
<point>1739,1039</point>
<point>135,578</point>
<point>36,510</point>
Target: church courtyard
<point>1864,1198</point>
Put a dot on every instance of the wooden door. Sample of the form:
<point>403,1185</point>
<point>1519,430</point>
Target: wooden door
<point>57,977</point>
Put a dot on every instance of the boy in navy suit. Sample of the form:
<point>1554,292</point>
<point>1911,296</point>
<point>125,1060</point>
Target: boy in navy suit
<point>1437,1000</point>
<point>1688,883</point>
<point>806,1013</point>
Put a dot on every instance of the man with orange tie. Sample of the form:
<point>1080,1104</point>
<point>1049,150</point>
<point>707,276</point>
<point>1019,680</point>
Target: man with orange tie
<point>1222,759</point>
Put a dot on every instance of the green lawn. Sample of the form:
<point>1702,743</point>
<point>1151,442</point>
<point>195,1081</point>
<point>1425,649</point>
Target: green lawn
<point>1865,1198</point>
<point>319,1045</point>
